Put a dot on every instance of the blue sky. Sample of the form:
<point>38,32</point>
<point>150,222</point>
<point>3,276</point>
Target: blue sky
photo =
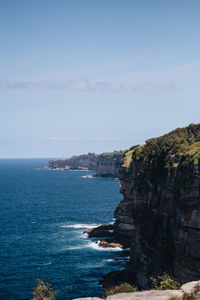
<point>87,75</point>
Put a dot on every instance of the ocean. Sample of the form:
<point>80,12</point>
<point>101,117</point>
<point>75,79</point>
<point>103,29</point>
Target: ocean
<point>43,214</point>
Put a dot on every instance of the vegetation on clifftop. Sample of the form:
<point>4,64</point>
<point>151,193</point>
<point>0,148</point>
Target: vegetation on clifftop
<point>180,145</point>
<point>127,159</point>
<point>111,154</point>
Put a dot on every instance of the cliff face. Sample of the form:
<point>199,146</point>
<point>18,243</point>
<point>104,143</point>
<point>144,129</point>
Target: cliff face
<point>160,212</point>
<point>108,164</point>
<point>105,164</point>
<point>85,161</point>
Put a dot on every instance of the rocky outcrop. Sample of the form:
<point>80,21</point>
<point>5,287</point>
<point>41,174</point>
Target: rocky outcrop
<point>188,288</point>
<point>160,212</point>
<point>110,240</point>
<point>108,164</point>
<point>145,295</point>
<point>105,230</point>
<point>105,164</point>
<point>84,162</point>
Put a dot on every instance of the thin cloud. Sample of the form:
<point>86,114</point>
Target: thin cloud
<point>98,139</point>
<point>81,85</point>
<point>88,86</point>
<point>152,88</point>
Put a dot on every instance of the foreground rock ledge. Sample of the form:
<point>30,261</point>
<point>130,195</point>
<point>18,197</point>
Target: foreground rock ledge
<point>151,294</point>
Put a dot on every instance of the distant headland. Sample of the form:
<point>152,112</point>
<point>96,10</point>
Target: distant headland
<point>104,164</point>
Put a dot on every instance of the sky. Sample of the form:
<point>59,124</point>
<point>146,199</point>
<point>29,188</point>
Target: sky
<point>79,76</point>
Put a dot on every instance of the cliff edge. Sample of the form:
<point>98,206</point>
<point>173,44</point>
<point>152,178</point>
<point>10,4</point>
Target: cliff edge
<point>160,211</point>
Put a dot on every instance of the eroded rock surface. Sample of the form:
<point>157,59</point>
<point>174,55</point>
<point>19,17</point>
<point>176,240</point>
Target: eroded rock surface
<point>105,164</point>
<point>152,294</point>
<point>104,230</point>
<point>108,164</point>
<point>84,162</point>
<point>160,212</point>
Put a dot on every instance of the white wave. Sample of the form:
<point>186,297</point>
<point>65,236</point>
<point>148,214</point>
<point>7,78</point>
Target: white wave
<point>87,176</point>
<point>109,260</point>
<point>79,226</point>
<point>95,245</point>
<point>49,263</point>
<point>73,248</point>
<point>84,236</point>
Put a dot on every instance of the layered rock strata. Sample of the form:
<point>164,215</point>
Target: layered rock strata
<point>160,212</point>
<point>85,161</point>
<point>108,164</point>
<point>105,164</point>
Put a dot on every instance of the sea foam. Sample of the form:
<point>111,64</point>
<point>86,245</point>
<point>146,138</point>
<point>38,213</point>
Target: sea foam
<point>95,246</point>
<point>79,226</point>
<point>87,176</point>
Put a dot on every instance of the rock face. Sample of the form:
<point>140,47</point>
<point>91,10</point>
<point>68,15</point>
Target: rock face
<point>85,161</point>
<point>105,230</point>
<point>105,164</point>
<point>160,212</point>
<point>108,164</point>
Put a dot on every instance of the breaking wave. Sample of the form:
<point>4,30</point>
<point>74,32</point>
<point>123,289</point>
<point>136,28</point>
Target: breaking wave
<point>79,226</point>
<point>87,176</point>
<point>95,246</point>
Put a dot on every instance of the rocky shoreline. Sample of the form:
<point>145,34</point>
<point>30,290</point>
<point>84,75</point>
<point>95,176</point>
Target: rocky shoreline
<point>110,240</point>
<point>159,216</point>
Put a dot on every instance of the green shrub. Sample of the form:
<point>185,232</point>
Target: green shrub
<point>122,288</point>
<point>43,291</point>
<point>164,282</point>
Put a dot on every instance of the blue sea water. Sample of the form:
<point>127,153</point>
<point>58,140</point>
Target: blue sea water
<point>43,214</point>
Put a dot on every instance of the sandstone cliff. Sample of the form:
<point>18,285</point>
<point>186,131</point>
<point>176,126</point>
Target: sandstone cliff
<point>160,212</point>
<point>105,164</point>
<point>84,161</point>
<point>108,164</point>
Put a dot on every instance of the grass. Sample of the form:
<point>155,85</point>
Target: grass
<point>127,159</point>
<point>123,288</point>
<point>110,154</point>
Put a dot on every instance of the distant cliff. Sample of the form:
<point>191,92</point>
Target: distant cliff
<point>108,164</point>
<point>160,212</point>
<point>105,164</point>
<point>85,161</point>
